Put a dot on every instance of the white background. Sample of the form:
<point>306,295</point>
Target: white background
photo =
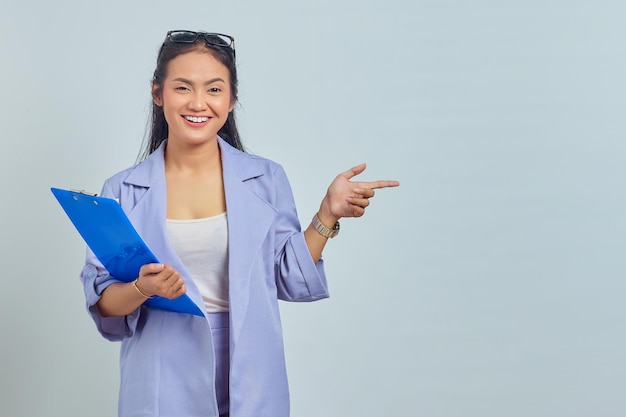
<point>491,283</point>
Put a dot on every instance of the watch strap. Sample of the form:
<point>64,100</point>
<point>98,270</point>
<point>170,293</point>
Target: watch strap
<point>323,230</point>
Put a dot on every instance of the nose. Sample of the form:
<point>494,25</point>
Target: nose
<point>197,102</point>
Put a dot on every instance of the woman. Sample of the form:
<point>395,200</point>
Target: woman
<point>224,224</point>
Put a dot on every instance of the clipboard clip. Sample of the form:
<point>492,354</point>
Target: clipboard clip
<point>84,192</point>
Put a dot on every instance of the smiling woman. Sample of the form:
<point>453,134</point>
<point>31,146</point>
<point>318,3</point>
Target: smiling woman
<point>195,97</point>
<point>177,43</point>
<point>224,224</point>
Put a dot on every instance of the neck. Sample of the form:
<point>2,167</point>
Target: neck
<point>192,158</point>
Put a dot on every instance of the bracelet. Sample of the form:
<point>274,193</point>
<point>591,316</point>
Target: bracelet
<point>139,291</point>
<point>323,230</point>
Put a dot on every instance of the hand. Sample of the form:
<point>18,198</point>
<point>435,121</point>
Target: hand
<point>349,199</point>
<point>162,280</point>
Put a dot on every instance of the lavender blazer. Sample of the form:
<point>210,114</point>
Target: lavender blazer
<point>166,360</point>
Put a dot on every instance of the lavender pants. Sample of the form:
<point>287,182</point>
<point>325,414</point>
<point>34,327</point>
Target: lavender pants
<point>221,340</point>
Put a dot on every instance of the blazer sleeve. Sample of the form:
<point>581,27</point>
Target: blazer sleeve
<point>95,279</point>
<point>298,278</point>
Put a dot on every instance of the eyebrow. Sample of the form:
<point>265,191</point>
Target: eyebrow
<point>211,81</point>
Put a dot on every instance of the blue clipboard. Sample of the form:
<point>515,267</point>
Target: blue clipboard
<point>112,238</point>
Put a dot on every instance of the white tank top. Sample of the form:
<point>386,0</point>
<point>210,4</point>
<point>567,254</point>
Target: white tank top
<point>202,245</point>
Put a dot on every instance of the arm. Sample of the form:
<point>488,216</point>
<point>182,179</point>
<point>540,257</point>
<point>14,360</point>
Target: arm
<point>298,278</point>
<point>109,297</point>
<point>343,199</point>
<point>122,298</point>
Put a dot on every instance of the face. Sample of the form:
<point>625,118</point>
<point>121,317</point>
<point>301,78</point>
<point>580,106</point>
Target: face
<point>195,97</point>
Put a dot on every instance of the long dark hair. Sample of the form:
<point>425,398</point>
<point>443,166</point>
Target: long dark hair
<point>169,50</point>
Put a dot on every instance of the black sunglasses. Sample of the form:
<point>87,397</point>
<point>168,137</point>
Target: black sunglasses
<point>214,39</point>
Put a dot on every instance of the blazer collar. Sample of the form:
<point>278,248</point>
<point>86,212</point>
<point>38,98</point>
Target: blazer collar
<point>236,164</point>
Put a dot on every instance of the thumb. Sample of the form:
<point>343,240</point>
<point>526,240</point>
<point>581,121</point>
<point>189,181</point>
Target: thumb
<point>152,268</point>
<point>356,170</point>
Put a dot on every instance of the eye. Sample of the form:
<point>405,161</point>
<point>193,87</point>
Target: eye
<point>181,88</point>
<point>215,90</point>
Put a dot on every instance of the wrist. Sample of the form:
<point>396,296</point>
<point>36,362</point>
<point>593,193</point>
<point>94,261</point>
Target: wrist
<point>323,228</point>
<point>140,291</point>
<point>325,215</point>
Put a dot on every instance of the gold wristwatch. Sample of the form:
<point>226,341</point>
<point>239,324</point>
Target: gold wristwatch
<point>323,230</point>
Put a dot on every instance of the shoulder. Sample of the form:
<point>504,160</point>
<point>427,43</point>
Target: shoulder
<point>262,176</point>
<point>143,175</point>
<point>120,177</point>
<point>267,165</point>
<point>135,176</point>
<point>112,185</point>
<point>248,165</point>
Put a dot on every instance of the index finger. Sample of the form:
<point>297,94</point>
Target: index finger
<point>378,184</point>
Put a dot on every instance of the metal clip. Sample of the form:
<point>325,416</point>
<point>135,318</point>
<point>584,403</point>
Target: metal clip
<point>84,192</point>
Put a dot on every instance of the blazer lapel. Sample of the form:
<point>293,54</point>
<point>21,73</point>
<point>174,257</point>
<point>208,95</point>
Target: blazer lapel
<point>149,213</point>
<point>250,218</point>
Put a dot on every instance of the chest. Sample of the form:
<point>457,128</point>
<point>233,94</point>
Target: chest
<point>195,197</point>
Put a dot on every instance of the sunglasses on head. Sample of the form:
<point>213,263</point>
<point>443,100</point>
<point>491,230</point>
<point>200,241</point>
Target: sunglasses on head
<point>213,39</point>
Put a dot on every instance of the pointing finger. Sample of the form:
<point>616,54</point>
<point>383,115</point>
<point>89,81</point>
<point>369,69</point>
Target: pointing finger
<point>379,184</point>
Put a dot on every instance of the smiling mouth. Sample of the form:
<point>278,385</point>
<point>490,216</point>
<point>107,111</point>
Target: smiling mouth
<point>194,119</point>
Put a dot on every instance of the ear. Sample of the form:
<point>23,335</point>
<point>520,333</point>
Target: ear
<point>232,105</point>
<point>156,94</point>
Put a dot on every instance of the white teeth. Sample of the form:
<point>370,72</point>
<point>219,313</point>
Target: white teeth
<point>196,119</point>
